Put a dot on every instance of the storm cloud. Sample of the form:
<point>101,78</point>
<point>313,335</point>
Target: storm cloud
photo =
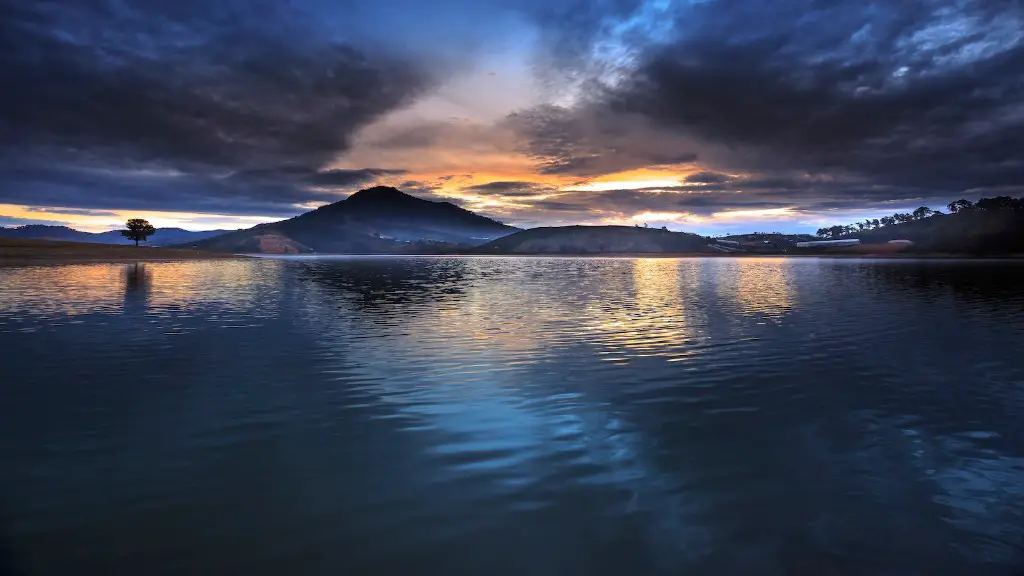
<point>266,107</point>
<point>922,95</point>
<point>158,96</point>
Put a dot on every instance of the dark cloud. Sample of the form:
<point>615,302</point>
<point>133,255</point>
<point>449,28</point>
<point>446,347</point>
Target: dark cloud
<point>807,196</point>
<point>919,95</point>
<point>14,222</point>
<point>511,189</point>
<point>570,142</point>
<point>551,205</point>
<point>349,177</point>
<point>104,189</point>
<point>692,188</point>
<point>205,89</point>
<point>708,178</point>
<point>771,182</point>
<point>504,186</point>
<point>242,106</point>
<point>72,211</point>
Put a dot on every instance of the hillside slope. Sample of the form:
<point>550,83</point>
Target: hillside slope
<point>596,240</point>
<point>970,232</point>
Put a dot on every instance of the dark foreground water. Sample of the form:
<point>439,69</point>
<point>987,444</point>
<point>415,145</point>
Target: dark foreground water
<point>513,416</point>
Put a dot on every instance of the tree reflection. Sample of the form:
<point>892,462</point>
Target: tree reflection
<point>995,285</point>
<point>138,286</point>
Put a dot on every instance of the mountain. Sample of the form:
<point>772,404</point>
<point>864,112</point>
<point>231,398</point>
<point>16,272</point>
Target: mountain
<point>596,240</point>
<point>41,232</point>
<point>375,220</point>
<point>162,236</point>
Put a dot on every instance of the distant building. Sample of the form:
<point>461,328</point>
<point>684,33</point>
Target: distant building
<point>828,243</point>
<point>727,242</point>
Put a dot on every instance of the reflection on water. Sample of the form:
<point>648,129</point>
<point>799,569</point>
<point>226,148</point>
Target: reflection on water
<point>513,415</point>
<point>61,292</point>
<point>765,289</point>
<point>761,287</point>
<point>645,315</point>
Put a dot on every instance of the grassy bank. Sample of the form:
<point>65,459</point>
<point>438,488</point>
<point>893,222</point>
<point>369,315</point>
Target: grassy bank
<point>14,251</point>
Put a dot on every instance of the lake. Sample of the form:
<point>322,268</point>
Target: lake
<point>388,415</point>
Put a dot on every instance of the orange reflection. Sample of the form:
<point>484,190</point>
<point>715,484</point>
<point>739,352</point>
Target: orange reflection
<point>760,287</point>
<point>62,290</point>
<point>111,288</point>
<point>652,320</point>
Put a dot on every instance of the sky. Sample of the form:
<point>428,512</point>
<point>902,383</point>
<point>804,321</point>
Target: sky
<point>711,116</point>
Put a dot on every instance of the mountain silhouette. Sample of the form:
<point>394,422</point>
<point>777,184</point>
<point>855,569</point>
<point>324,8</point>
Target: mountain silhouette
<point>375,220</point>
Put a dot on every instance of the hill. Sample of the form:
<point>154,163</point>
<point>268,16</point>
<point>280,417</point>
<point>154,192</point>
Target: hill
<point>596,240</point>
<point>375,220</point>
<point>989,227</point>
<point>162,236</point>
<point>969,232</point>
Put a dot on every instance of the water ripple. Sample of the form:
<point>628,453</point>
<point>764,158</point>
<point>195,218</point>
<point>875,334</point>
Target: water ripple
<point>511,415</point>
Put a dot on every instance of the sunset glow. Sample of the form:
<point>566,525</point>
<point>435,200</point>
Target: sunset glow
<point>536,117</point>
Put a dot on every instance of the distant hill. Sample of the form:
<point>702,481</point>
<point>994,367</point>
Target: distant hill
<point>970,232</point>
<point>162,236</point>
<point>990,226</point>
<point>375,220</point>
<point>596,240</point>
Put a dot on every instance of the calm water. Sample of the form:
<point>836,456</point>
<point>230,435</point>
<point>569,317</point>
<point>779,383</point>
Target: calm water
<point>513,416</point>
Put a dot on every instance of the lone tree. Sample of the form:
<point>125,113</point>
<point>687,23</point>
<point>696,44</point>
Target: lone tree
<point>138,229</point>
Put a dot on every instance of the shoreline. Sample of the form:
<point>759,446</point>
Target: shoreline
<point>17,252</point>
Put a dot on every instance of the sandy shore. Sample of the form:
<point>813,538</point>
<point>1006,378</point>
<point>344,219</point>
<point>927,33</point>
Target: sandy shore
<point>15,252</point>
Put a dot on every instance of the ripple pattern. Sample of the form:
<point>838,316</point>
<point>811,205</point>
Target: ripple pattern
<point>513,415</point>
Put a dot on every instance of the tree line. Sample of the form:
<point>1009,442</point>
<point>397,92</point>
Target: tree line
<point>956,207</point>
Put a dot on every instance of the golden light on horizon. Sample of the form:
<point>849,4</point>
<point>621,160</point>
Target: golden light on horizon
<point>665,217</point>
<point>605,186</point>
<point>765,213</point>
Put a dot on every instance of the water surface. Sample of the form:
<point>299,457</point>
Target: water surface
<point>513,416</point>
